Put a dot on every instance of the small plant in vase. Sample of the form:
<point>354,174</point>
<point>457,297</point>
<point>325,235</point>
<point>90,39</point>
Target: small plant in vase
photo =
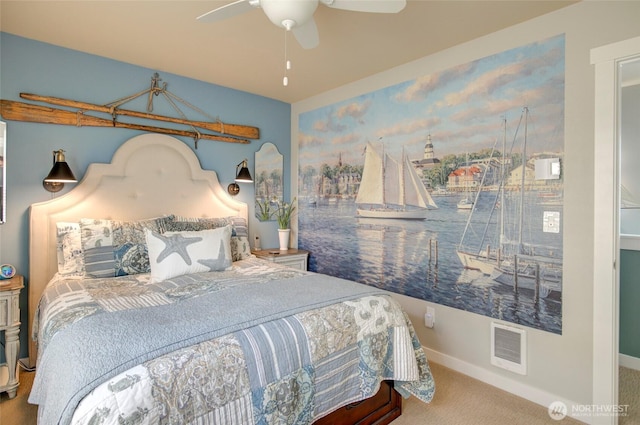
<point>283,214</point>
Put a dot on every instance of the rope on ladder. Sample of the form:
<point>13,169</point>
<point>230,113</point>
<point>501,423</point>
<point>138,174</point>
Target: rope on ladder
<point>156,90</point>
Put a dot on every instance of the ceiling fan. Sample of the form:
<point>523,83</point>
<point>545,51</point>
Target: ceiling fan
<point>297,15</point>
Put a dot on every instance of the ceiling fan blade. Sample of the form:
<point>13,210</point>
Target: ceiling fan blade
<point>228,10</point>
<point>307,34</point>
<point>373,6</point>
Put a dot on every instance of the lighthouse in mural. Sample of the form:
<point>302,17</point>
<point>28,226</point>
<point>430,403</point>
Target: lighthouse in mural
<point>429,160</point>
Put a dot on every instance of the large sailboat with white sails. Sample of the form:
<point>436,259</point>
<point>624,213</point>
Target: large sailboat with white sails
<point>391,189</point>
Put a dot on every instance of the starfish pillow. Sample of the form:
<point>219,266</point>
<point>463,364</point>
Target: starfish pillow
<point>177,253</point>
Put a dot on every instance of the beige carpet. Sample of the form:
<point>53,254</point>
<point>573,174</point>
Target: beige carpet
<point>17,411</point>
<point>629,395</point>
<point>459,400</point>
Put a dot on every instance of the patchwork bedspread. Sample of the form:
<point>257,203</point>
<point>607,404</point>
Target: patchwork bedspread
<point>257,344</point>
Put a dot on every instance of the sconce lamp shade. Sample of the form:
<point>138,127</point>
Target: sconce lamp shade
<point>60,173</point>
<point>243,176</point>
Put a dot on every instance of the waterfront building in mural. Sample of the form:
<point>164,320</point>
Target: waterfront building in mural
<point>458,133</point>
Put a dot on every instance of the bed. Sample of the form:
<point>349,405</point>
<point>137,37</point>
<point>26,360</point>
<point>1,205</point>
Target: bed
<point>147,307</point>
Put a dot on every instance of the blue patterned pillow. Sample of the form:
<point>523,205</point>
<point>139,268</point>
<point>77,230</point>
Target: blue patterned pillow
<point>115,247</point>
<point>178,223</point>
<point>174,254</point>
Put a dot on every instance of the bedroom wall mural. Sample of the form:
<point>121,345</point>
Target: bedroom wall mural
<point>446,188</point>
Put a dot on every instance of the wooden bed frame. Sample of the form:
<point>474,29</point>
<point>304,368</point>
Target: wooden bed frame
<point>149,176</point>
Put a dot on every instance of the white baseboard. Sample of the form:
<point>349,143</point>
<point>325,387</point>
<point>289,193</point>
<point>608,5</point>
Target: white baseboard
<point>527,392</point>
<point>629,361</point>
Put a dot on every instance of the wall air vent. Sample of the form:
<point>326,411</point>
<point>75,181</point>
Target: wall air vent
<point>509,348</point>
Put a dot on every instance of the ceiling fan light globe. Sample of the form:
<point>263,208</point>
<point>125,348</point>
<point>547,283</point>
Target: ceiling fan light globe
<point>281,11</point>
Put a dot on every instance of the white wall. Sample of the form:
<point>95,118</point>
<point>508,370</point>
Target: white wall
<point>560,366</point>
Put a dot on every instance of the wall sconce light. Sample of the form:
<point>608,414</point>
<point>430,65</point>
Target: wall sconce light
<point>60,173</point>
<point>242,175</point>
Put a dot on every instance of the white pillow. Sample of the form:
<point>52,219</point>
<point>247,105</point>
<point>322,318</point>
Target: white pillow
<point>177,253</point>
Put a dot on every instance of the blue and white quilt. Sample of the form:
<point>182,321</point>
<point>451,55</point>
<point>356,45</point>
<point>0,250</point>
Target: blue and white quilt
<point>257,344</point>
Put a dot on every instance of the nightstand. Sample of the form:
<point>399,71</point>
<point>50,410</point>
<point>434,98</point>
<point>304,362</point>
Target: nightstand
<point>10,324</point>
<point>296,258</point>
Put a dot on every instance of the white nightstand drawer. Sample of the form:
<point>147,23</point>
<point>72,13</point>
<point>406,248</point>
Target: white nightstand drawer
<point>296,263</point>
<point>295,258</point>
<point>4,311</point>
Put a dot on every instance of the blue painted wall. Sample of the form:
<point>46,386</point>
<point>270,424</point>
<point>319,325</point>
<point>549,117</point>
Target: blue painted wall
<point>40,68</point>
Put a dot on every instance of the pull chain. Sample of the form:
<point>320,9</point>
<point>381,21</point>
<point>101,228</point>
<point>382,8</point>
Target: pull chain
<point>287,67</point>
<point>288,24</point>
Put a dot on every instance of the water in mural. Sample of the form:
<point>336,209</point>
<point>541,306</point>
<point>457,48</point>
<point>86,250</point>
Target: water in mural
<point>419,259</point>
<point>436,196</point>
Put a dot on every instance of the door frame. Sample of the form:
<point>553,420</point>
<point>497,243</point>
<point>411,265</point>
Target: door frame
<point>607,60</point>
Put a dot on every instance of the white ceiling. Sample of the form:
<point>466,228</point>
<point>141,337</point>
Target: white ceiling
<point>247,52</point>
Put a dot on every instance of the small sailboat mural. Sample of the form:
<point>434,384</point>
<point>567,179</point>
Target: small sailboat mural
<point>391,189</point>
<point>513,262</point>
<point>466,203</point>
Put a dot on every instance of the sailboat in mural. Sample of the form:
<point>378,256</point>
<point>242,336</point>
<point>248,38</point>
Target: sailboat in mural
<point>466,203</point>
<point>391,189</point>
<point>513,261</point>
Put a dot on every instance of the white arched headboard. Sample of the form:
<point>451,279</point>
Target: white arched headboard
<point>149,176</point>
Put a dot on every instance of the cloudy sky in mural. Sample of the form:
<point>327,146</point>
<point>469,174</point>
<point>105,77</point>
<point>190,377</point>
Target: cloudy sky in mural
<point>462,108</point>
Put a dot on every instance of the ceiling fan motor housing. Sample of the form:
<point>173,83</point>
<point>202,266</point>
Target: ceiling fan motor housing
<point>289,13</point>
